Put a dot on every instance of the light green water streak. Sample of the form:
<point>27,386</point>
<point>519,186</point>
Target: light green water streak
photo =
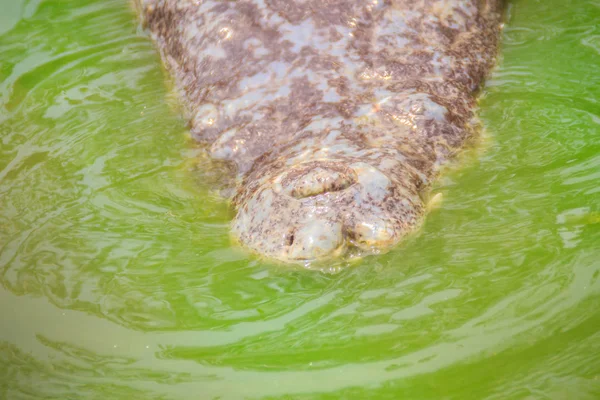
<point>118,281</point>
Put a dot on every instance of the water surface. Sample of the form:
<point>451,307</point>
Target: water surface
<point>117,278</point>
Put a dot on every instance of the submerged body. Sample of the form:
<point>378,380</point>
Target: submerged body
<point>336,113</point>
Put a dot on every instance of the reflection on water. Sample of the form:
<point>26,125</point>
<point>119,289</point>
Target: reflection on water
<point>117,276</point>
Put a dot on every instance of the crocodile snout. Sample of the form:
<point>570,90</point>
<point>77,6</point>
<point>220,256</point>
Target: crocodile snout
<point>315,178</point>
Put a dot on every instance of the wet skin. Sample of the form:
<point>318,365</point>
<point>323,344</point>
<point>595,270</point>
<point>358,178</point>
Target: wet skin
<point>337,114</point>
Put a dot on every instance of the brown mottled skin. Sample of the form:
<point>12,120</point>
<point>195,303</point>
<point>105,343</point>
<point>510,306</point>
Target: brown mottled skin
<point>337,113</point>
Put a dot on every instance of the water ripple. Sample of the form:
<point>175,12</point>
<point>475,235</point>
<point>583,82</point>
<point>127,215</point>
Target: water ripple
<point>117,277</point>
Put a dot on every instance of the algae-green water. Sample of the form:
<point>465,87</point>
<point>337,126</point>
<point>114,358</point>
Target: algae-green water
<point>118,279</point>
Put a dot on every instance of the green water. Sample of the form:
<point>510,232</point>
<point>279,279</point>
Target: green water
<point>117,279</point>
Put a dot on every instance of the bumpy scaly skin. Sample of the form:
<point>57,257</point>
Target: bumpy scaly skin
<point>337,113</point>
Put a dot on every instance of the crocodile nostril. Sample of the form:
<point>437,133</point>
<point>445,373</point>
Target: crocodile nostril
<point>314,179</point>
<point>290,239</point>
<point>315,239</point>
<point>372,232</point>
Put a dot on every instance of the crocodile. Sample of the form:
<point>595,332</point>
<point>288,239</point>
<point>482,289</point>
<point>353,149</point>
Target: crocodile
<point>337,115</point>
